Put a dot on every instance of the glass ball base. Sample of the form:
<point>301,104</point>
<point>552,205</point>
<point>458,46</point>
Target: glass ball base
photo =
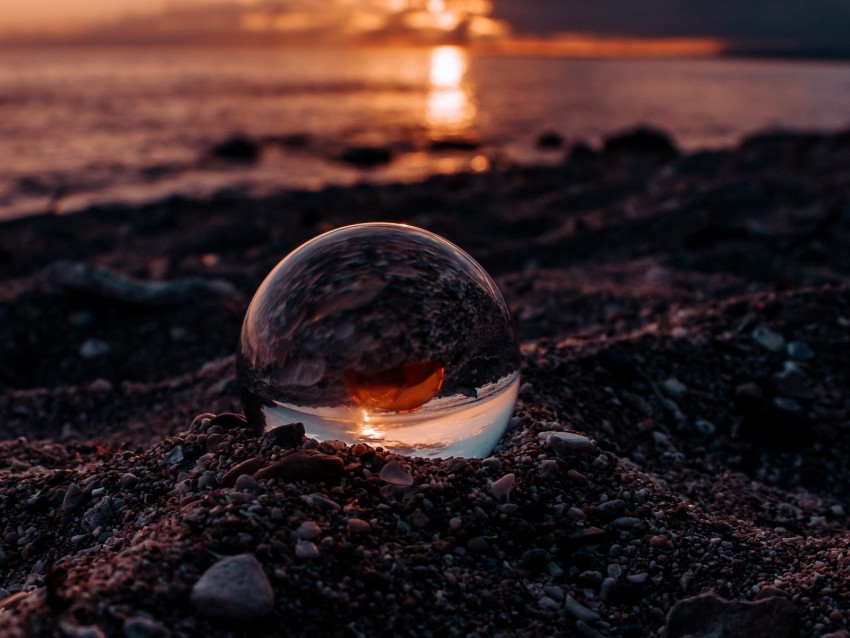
<point>443,427</point>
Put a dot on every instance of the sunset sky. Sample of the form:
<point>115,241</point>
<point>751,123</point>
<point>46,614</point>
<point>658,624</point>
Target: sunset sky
<point>781,26</point>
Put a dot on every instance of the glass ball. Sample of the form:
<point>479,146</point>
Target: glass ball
<point>385,334</point>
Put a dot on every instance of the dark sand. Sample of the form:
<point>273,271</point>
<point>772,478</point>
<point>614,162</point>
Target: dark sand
<point>688,315</point>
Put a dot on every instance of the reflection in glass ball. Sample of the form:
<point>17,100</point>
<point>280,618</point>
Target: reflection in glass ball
<point>384,334</point>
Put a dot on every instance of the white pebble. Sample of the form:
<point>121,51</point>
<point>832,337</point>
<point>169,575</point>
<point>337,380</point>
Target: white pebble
<point>395,474</point>
<point>503,486</point>
<point>569,440</point>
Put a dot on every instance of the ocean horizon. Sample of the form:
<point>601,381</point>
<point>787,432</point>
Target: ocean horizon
<point>85,126</point>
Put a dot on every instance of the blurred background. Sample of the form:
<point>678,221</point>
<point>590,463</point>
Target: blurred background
<point>136,100</point>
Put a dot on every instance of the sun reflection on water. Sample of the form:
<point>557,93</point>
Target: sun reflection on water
<point>451,109</point>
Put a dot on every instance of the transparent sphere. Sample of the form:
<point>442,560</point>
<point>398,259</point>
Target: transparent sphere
<point>384,334</point>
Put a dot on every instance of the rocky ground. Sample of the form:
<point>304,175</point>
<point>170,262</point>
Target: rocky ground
<point>678,462</point>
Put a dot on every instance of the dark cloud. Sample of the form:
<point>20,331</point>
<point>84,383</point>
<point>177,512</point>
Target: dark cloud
<point>779,24</point>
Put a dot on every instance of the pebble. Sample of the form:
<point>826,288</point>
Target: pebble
<point>74,497</point>
<point>577,477</point>
<point>455,523</point>
<point>705,427</point>
<point>174,456</point>
<point>301,466</point>
<point>306,549</point>
<point>625,522</point>
<point>800,351</point>
<point>234,588</point>
<point>548,469</point>
<point>710,615</point>
<point>129,481</point>
<point>308,530</point>
<point>503,486</point>
<point>358,526</point>
<point>659,541</point>
<point>395,474</point>
<point>144,627</point>
<point>547,603</point>
<point>567,441</point>
<point>768,339</point>
<point>579,611</point>
<point>321,502</point>
<point>94,348</point>
<point>248,466</point>
<point>493,463</point>
<point>246,483</point>
<point>675,388</point>
<point>72,630</point>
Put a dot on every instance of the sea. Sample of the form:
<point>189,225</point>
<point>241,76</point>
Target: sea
<point>86,126</point>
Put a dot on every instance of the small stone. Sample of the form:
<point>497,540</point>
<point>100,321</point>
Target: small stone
<point>674,388</point>
<point>395,474</point>
<point>129,481</point>
<point>144,627</point>
<point>548,603</point>
<point>321,502</point>
<point>624,522</point>
<point>579,611</point>
<point>492,463</point>
<point>576,514</point>
<point>286,436</point>
<point>709,615</point>
<point>246,483</point>
<point>548,469</point>
<point>234,588</point>
<point>74,497</point>
<point>768,339</point>
<point>306,549</point>
<point>586,536</point>
<point>704,427</point>
<point>174,456</point>
<point>72,630</point>
<point>568,441</point>
<point>248,466</point>
<point>302,466</point>
<point>659,541</point>
<point>228,421</point>
<point>358,526</point>
<point>213,441</point>
<point>94,348</point>
<point>502,487</point>
<point>455,523</point>
<point>610,510</point>
<point>419,518</point>
<point>308,530</point>
<point>577,477</point>
<point>800,351</point>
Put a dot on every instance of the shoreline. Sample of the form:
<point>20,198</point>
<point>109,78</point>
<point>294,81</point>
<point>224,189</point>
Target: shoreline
<point>683,316</point>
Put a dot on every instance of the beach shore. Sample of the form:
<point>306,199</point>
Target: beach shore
<point>686,316</point>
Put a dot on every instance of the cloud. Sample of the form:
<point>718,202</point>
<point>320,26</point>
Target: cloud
<point>305,21</point>
<point>778,25</point>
